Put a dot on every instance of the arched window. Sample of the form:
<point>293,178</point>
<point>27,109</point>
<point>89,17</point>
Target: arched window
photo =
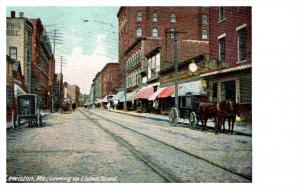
<point>139,16</point>
<point>173,17</point>
<point>154,17</point>
<point>154,32</point>
<point>138,32</point>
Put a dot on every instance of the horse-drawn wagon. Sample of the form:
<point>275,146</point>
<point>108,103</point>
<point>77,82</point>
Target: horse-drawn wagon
<point>28,110</point>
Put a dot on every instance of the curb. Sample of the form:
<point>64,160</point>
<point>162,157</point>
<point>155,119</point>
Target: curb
<point>166,120</point>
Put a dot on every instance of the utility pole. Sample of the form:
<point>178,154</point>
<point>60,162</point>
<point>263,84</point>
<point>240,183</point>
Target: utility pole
<point>62,62</point>
<point>175,34</point>
<point>176,69</point>
<point>125,88</point>
<point>56,39</point>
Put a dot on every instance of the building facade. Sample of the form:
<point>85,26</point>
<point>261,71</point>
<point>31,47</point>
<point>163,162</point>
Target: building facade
<point>73,92</point>
<point>230,44</point>
<point>146,40</point>
<point>42,63</point>
<point>98,86</point>
<point>112,78</point>
<point>19,43</point>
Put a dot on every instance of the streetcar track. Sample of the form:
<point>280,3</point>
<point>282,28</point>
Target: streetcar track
<point>162,128</point>
<point>177,148</point>
<point>168,177</point>
<point>186,125</point>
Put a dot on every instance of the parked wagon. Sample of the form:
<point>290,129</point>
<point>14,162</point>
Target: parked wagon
<point>28,110</point>
<point>66,107</point>
<point>189,106</point>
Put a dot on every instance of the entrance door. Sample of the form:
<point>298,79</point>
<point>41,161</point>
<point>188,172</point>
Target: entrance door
<point>228,90</point>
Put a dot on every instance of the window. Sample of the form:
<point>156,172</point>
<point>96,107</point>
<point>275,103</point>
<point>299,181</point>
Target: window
<point>28,56</point>
<point>154,17</point>
<point>154,32</point>
<point>221,14</point>
<point>139,16</point>
<point>172,32</point>
<point>138,32</point>
<point>215,90</point>
<point>173,18</point>
<point>204,34</point>
<point>204,19</point>
<point>13,53</point>
<point>242,44</point>
<point>222,49</point>
<point>186,102</point>
<point>228,90</point>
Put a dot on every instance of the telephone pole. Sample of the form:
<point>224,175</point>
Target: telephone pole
<point>55,36</point>
<point>175,34</point>
<point>125,88</point>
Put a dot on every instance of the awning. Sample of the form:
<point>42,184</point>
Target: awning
<point>144,93</point>
<point>118,96</point>
<point>191,88</point>
<point>166,92</point>
<point>129,97</point>
<point>154,95</point>
<point>18,90</point>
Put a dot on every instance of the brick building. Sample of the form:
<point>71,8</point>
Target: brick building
<point>230,47</point>
<point>15,85</point>
<point>146,43</point>
<point>42,64</point>
<point>111,79</point>
<point>19,43</point>
<point>73,92</point>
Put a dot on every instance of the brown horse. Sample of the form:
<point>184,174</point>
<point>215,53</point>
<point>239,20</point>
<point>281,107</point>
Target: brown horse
<point>211,111</point>
<point>229,110</point>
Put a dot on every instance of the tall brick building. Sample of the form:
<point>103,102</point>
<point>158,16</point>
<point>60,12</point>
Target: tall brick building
<point>230,44</point>
<point>146,40</point>
<point>42,64</point>
<point>73,91</point>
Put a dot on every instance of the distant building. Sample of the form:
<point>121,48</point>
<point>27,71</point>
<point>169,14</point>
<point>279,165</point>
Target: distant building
<point>111,79</point>
<point>74,93</point>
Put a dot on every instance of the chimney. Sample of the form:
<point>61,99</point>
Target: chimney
<point>12,14</point>
<point>21,14</point>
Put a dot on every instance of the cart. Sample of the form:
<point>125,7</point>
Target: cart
<point>28,110</point>
<point>66,107</point>
<point>189,106</point>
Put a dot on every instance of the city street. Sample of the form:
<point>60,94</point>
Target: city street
<point>100,146</point>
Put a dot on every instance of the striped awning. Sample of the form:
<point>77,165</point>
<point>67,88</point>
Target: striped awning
<point>144,93</point>
<point>129,97</point>
<point>154,95</point>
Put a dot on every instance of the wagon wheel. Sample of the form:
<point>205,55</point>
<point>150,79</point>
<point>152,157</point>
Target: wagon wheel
<point>193,120</point>
<point>40,121</point>
<point>173,116</point>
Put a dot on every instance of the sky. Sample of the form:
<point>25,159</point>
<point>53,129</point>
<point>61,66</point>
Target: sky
<point>89,36</point>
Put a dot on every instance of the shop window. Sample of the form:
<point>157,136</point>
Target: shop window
<point>228,90</point>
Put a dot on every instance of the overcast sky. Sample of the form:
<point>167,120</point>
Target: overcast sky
<point>89,35</point>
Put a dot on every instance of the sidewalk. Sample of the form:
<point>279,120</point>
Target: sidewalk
<point>44,113</point>
<point>239,127</point>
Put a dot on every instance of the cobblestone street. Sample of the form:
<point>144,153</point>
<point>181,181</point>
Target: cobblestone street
<point>82,144</point>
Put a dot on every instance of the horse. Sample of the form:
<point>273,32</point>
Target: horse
<point>229,110</point>
<point>211,111</point>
